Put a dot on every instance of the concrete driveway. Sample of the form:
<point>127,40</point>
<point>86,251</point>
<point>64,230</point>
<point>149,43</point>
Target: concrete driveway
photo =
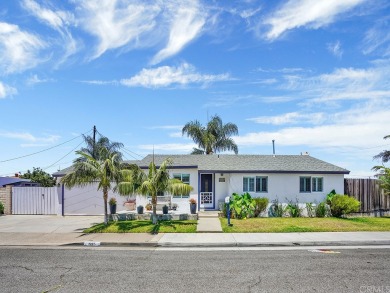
<point>47,224</point>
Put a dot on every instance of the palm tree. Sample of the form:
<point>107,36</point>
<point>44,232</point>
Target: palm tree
<point>385,155</point>
<point>156,182</point>
<point>87,170</point>
<point>215,137</point>
<point>93,148</point>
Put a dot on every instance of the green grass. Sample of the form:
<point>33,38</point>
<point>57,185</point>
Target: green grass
<point>280,225</point>
<point>144,226</point>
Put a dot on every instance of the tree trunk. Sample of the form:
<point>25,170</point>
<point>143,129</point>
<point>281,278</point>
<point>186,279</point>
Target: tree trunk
<point>154,205</point>
<point>105,196</point>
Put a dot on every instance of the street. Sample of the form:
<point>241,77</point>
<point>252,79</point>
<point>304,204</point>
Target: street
<point>155,270</point>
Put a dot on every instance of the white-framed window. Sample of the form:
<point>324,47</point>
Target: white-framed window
<point>305,184</point>
<point>185,178</point>
<point>317,184</point>
<point>255,184</point>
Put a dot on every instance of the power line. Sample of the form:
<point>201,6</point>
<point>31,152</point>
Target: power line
<point>133,153</point>
<point>63,156</point>
<point>44,149</point>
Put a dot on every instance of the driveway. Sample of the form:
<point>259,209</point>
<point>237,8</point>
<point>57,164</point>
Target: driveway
<point>46,224</point>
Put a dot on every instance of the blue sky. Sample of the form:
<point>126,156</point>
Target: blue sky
<point>313,75</point>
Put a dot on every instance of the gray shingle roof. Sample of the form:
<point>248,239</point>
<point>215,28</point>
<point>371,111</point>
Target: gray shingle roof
<point>241,163</point>
<point>250,163</point>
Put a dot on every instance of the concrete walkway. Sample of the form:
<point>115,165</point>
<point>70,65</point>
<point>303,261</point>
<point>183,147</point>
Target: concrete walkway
<point>208,221</point>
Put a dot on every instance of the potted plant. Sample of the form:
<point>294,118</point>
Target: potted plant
<point>140,209</point>
<point>165,209</point>
<point>193,205</point>
<point>130,204</point>
<point>148,207</point>
<point>112,203</point>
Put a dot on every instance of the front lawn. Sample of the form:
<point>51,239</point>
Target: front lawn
<point>284,225</point>
<point>144,226</point>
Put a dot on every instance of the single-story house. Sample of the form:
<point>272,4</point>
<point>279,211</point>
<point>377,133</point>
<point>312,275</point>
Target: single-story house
<point>16,181</point>
<point>213,177</point>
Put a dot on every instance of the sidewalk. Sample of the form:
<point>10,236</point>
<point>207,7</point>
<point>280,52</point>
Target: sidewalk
<point>198,239</point>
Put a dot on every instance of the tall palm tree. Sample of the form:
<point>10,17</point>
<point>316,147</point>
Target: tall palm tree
<point>87,170</point>
<point>212,138</point>
<point>134,180</point>
<point>385,155</point>
<point>94,148</point>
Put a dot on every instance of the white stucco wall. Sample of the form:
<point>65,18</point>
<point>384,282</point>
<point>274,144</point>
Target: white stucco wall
<point>285,187</point>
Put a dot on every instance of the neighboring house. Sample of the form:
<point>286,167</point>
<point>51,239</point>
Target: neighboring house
<point>213,177</point>
<point>16,181</point>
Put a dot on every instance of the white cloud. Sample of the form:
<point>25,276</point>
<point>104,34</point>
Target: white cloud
<point>6,90</point>
<point>26,136</point>
<point>116,23</point>
<point>306,13</point>
<point>34,79</point>
<point>290,118</point>
<point>169,147</point>
<point>165,76</point>
<point>377,39</point>
<point>188,20</point>
<point>19,50</point>
<point>335,49</point>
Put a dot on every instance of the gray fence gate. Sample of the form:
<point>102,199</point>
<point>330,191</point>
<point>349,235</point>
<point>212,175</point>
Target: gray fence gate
<point>36,200</point>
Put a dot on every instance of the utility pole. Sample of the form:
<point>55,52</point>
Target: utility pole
<point>94,142</point>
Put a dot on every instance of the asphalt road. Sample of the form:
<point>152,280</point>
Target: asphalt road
<point>129,270</point>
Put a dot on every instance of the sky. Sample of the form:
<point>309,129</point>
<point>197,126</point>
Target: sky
<point>312,75</point>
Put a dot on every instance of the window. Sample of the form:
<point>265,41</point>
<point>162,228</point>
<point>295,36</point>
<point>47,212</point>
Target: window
<point>255,184</point>
<point>185,178</point>
<point>317,184</point>
<point>304,184</point>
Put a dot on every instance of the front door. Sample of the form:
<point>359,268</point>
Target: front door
<point>206,191</point>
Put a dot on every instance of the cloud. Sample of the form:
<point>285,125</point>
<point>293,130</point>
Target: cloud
<point>335,49</point>
<point>306,13</point>
<point>165,76</point>
<point>188,20</point>
<point>26,136</point>
<point>6,90</point>
<point>377,39</point>
<point>116,23</point>
<point>169,147</point>
<point>19,50</point>
<point>58,20</point>
<point>289,118</point>
<point>360,127</point>
<point>34,79</point>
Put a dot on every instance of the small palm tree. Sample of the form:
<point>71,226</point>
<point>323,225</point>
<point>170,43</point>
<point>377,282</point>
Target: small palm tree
<point>385,155</point>
<point>103,144</point>
<point>88,170</point>
<point>157,181</point>
<point>215,137</point>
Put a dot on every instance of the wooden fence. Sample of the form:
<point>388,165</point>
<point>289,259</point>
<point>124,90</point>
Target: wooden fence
<point>368,192</point>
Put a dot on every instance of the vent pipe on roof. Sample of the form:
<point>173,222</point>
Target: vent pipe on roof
<point>273,147</point>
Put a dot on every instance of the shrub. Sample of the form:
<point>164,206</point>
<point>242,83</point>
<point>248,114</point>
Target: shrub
<point>1,208</point>
<point>321,210</point>
<point>242,205</point>
<point>276,209</point>
<point>112,201</point>
<point>310,208</point>
<point>343,204</point>
<point>293,209</point>
<point>329,196</point>
<point>261,204</point>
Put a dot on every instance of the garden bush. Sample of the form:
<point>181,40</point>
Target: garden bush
<point>1,208</point>
<point>242,206</point>
<point>321,210</point>
<point>261,204</point>
<point>343,205</point>
<point>276,209</point>
<point>293,209</point>
<point>311,209</point>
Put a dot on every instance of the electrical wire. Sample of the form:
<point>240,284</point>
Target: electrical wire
<point>63,156</point>
<point>16,158</point>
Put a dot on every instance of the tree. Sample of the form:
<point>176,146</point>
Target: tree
<point>39,176</point>
<point>212,138</point>
<point>156,182</point>
<point>385,155</point>
<point>87,170</point>
<point>384,172</point>
<point>103,144</point>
